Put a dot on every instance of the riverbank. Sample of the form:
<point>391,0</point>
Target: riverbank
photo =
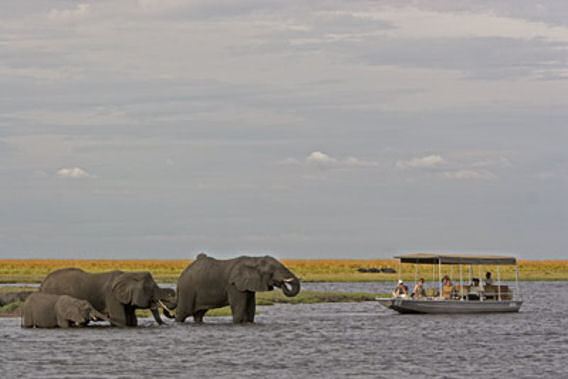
<point>262,298</point>
<point>309,270</point>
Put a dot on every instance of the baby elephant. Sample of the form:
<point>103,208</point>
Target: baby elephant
<point>43,310</point>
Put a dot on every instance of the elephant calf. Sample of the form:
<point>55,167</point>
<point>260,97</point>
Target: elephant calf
<point>42,310</point>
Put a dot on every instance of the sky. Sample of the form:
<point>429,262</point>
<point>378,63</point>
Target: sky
<point>301,129</point>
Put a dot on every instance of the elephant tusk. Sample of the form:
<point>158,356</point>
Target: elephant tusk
<point>164,306</point>
<point>289,280</point>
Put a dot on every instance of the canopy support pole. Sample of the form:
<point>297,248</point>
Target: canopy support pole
<point>517,281</point>
<point>440,275</point>
<point>415,274</point>
<point>499,282</point>
<point>461,282</point>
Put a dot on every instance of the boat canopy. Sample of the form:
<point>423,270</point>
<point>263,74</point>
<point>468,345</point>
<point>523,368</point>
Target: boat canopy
<point>457,259</point>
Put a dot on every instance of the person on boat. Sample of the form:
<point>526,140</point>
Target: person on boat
<point>419,291</point>
<point>474,292</point>
<point>401,290</point>
<point>488,279</point>
<point>448,291</point>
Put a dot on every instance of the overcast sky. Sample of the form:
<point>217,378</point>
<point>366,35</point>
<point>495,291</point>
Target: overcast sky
<point>303,129</point>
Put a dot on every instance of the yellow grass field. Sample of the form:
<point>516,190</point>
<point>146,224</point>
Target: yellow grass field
<point>309,270</point>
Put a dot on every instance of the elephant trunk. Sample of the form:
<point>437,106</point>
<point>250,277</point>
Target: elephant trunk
<point>98,316</point>
<point>291,287</point>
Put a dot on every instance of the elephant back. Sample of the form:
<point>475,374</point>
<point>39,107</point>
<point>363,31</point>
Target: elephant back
<point>61,281</point>
<point>79,284</point>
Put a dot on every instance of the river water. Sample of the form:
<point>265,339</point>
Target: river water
<point>319,340</point>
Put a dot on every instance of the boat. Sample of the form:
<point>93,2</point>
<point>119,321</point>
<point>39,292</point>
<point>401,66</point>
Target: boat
<point>462,298</point>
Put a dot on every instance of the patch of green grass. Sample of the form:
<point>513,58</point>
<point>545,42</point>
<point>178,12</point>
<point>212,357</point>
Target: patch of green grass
<point>304,297</point>
<point>11,310</point>
<point>262,298</point>
<point>18,289</point>
<point>313,297</point>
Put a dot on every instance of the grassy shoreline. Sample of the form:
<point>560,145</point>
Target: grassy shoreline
<point>262,299</point>
<point>309,270</point>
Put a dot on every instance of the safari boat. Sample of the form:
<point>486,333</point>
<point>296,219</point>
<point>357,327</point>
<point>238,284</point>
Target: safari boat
<point>454,299</point>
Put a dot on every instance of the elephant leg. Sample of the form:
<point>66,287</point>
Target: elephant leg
<point>198,316</point>
<point>62,322</point>
<point>185,307</point>
<point>251,306</point>
<point>130,312</point>
<point>117,313</point>
<point>238,303</point>
<point>27,319</point>
<point>180,316</point>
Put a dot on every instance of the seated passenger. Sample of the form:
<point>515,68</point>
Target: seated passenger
<point>448,291</point>
<point>488,279</point>
<point>401,290</point>
<point>419,291</point>
<point>474,292</point>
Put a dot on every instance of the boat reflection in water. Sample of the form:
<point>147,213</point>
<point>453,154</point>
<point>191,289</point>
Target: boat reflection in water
<point>484,297</point>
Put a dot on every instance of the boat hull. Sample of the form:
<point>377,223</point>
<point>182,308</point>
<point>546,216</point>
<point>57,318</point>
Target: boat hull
<point>450,306</point>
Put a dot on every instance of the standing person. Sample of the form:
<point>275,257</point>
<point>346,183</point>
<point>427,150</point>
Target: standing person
<point>401,290</point>
<point>419,291</point>
<point>488,279</point>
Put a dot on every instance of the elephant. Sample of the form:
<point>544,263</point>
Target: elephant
<point>115,293</point>
<point>44,310</point>
<point>209,283</point>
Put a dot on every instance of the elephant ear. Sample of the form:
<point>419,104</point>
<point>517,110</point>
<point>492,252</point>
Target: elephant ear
<point>248,278</point>
<point>122,289</point>
<point>67,308</point>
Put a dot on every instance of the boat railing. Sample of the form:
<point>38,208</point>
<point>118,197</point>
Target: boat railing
<point>495,292</point>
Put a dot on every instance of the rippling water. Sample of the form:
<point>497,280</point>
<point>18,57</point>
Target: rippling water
<point>320,340</point>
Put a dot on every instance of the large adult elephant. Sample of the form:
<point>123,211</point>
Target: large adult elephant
<point>210,283</point>
<point>117,294</point>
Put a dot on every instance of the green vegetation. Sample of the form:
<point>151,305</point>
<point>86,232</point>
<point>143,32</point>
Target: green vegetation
<point>262,298</point>
<point>11,310</point>
<point>309,270</point>
<point>304,297</point>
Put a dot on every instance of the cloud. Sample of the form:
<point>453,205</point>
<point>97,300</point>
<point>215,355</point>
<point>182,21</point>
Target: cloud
<point>320,159</point>
<point>323,160</point>
<point>73,173</point>
<point>356,162</point>
<point>428,161</point>
<point>502,162</point>
<point>80,11</point>
<point>470,175</point>
<point>415,23</point>
<point>290,162</point>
